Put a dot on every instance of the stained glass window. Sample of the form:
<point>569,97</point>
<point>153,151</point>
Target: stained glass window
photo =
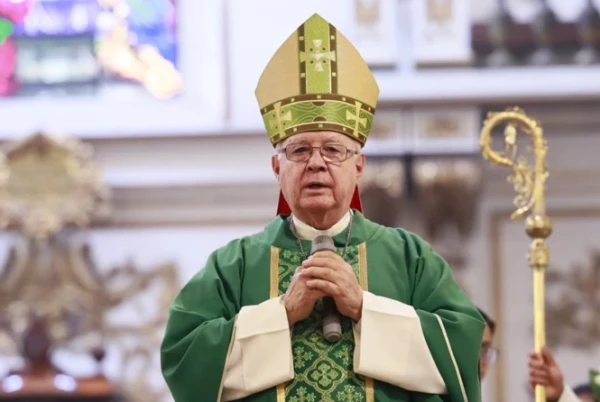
<point>88,47</point>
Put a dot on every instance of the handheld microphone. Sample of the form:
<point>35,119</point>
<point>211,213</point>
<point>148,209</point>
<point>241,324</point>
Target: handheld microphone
<point>332,325</point>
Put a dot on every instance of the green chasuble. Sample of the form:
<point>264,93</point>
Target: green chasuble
<point>388,262</point>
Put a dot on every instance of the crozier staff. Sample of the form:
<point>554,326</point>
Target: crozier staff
<point>248,325</point>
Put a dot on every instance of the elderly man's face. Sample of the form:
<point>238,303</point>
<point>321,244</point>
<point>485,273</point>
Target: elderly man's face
<point>317,185</point>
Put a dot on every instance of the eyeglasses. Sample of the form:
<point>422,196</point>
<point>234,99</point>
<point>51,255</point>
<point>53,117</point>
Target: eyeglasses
<point>489,353</point>
<point>332,153</point>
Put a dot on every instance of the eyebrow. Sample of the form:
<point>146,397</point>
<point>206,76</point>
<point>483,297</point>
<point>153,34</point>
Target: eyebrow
<point>327,140</point>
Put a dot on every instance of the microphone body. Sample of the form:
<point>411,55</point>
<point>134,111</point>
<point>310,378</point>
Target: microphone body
<point>332,323</point>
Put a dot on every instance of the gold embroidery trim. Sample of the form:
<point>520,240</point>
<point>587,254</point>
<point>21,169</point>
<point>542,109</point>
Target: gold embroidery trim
<point>363,279</point>
<point>362,266</point>
<point>274,292</point>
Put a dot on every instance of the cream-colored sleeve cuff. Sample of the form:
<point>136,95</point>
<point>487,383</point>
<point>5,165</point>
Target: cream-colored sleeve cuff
<point>261,353</point>
<point>568,395</point>
<point>391,347</point>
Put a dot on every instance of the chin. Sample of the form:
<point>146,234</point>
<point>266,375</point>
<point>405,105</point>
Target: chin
<point>317,205</point>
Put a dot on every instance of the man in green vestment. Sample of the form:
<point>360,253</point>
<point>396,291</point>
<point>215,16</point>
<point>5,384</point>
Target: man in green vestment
<point>248,325</point>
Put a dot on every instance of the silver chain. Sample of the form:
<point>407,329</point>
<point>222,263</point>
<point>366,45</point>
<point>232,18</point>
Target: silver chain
<point>295,232</point>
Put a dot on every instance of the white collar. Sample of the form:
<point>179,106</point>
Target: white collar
<point>307,232</point>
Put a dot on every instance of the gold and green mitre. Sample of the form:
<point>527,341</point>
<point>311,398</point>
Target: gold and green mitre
<point>317,81</point>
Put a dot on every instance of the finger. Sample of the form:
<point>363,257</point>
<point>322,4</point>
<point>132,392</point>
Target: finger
<point>539,373</point>
<point>327,274</point>
<point>539,380</point>
<point>536,358</point>
<point>324,286</point>
<point>547,356</point>
<point>539,368</point>
<point>536,363</point>
<point>307,273</point>
<point>322,261</point>
<point>325,259</point>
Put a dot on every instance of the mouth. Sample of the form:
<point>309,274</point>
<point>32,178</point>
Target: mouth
<point>316,186</point>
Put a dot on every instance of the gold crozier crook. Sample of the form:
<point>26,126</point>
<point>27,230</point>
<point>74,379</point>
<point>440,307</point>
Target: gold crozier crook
<point>529,183</point>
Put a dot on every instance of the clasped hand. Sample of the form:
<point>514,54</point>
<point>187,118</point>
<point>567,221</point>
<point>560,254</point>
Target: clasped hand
<point>323,274</point>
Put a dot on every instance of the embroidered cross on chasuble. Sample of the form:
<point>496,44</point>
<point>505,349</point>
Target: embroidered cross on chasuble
<point>323,371</point>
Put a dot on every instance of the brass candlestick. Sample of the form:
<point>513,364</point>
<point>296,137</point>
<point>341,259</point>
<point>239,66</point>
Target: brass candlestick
<point>529,183</point>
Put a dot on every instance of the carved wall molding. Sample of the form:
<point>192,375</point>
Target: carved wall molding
<point>184,206</point>
<point>554,113</point>
<point>197,179</point>
<point>558,118</point>
<point>255,203</point>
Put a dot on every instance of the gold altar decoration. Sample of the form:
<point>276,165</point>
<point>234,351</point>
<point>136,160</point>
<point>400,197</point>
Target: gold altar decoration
<point>529,182</point>
<point>48,183</point>
<point>53,296</point>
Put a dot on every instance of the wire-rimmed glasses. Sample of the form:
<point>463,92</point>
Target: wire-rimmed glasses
<point>333,153</point>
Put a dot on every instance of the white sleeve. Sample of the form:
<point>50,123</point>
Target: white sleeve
<point>391,347</point>
<point>261,352</point>
<point>568,395</point>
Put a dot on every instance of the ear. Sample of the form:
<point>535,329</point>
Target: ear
<point>360,165</point>
<point>275,165</point>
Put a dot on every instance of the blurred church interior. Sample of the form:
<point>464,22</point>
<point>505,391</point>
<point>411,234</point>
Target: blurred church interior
<point>132,147</point>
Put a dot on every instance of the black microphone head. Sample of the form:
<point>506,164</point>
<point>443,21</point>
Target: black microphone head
<point>322,243</point>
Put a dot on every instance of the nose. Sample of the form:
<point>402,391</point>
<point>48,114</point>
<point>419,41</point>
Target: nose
<point>316,163</point>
